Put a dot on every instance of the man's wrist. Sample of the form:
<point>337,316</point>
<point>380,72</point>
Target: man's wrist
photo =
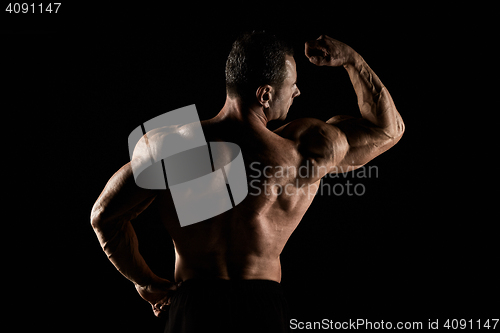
<point>145,280</point>
<point>354,60</point>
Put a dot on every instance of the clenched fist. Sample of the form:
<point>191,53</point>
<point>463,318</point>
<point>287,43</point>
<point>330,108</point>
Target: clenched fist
<point>326,51</point>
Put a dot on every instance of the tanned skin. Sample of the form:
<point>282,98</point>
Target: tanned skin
<point>246,241</point>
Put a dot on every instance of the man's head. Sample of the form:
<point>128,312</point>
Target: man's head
<point>261,69</point>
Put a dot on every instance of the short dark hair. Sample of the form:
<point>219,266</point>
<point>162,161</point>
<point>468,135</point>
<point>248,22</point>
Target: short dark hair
<point>256,59</point>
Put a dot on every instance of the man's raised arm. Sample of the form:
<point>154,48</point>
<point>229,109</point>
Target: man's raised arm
<point>381,125</point>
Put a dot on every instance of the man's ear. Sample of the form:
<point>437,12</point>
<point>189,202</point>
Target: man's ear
<point>264,95</point>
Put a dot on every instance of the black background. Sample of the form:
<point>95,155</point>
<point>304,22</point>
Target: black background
<point>75,84</point>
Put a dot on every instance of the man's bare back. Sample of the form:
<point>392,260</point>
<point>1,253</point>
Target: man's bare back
<point>245,242</point>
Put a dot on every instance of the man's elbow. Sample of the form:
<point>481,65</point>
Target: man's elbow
<point>95,222</point>
<point>400,127</point>
<point>399,131</point>
<point>395,132</point>
<point>96,219</point>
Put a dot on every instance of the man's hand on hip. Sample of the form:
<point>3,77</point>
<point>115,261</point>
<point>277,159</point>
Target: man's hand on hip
<point>159,294</point>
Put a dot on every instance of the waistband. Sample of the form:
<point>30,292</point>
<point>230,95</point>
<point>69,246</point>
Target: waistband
<point>240,285</point>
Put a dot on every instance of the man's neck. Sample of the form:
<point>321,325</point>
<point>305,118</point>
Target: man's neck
<point>235,111</point>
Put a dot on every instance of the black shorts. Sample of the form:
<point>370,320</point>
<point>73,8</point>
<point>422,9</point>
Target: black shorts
<point>228,306</point>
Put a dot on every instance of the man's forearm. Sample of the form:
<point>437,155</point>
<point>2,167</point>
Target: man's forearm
<point>121,246</point>
<point>375,102</point>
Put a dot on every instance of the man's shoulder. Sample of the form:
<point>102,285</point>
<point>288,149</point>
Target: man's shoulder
<point>166,141</point>
<point>307,128</point>
<point>314,137</point>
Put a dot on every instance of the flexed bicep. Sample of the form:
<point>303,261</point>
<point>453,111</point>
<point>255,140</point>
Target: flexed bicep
<point>365,141</point>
